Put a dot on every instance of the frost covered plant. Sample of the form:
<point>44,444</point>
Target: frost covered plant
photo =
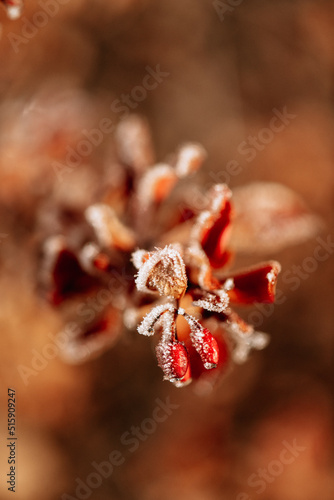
<point>130,251</point>
<point>184,276</point>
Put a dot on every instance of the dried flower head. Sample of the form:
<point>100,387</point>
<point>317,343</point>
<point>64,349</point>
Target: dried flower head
<point>138,255</point>
<point>162,271</point>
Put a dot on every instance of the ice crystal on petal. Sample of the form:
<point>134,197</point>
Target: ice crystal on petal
<point>138,257</point>
<point>134,143</point>
<point>220,194</point>
<point>216,302</point>
<point>88,341</point>
<point>156,184</point>
<point>240,354</point>
<point>203,341</point>
<point>245,338</point>
<point>229,284</point>
<point>260,340</point>
<point>212,227</point>
<point>130,318</point>
<point>110,232</point>
<point>196,258</point>
<point>189,159</point>
<point>92,259</point>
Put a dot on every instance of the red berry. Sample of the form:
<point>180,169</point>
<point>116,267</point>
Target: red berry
<point>179,357</point>
<point>208,349</point>
<point>172,359</point>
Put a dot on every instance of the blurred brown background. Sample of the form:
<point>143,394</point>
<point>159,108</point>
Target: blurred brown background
<point>229,67</point>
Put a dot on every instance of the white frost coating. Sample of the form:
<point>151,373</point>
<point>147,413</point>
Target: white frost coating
<point>163,352</point>
<point>196,257</point>
<point>215,302</point>
<point>229,284</point>
<point>130,318</point>
<point>271,276</point>
<point>134,143</point>
<point>196,329</point>
<point>14,11</point>
<point>195,326</point>
<point>77,349</point>
<point>190,158</point>
<point>54,244</point>
<point>87,255</point>
<point>137,258</point>
<point>224,298</point>
<point>99,217</point>
<point>220,193</point>
<point>171,260</point>
<point>52,247</point>
<point>197,337</point>
<point>108,228</point>
<point>201,222</point>
<point>146,327</point>
<point>168,327</point>
<point>180,383</point>
<point>147,184</point>
<point>245,342</point>
<point>240,354</point>
<point>260,340</point>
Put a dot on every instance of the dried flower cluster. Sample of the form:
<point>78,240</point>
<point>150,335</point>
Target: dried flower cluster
<point>184,275</point>
<point>183,288</point>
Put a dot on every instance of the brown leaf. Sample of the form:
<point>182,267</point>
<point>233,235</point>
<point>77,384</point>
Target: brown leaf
<point>269,217</point>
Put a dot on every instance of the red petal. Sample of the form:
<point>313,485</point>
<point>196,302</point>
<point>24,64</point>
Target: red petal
<point>64,273</point>
<point>257,284</point>
<point>82,342</point>
<point>213,226</point>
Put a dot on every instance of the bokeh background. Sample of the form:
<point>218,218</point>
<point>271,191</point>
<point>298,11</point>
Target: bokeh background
<point>229,66</point>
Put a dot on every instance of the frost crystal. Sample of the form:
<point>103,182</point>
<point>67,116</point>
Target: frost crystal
<point>110,232</point>
<point>156,185</point>
<point>190,158</point>
<point>134,143</point>
<point>216,302</point>
<point>245,340</point>
<point>146,327</point>
<point>138,258</point>
<point>91,258</point>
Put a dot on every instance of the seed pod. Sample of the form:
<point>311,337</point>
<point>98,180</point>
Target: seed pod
<point>163,272</point>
